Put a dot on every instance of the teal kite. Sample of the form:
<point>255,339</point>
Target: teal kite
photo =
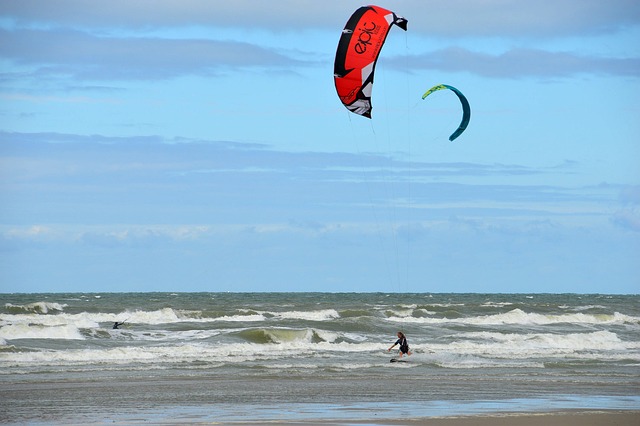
<point>466,109</point>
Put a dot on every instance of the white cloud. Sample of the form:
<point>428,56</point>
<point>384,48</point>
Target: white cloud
<point>630,195</point>
<point>627,219</point>
<point>84,56</point>
<point>85,44</point>
<point>452,18</point>
<point>517,63</point>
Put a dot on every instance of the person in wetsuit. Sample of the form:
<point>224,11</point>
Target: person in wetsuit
<point>404,346</point>
<point>117,324</point>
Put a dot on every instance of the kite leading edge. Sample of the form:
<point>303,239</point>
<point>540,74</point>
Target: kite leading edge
<point>357,53</point>
<point>466,109</point>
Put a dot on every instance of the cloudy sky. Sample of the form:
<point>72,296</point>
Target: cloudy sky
<point>191,145</point>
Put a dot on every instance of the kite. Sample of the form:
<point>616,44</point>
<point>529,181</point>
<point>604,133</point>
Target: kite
<point>358,50</point>
<point>466,109</point>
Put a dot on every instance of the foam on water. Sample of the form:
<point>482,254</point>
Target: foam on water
<point>27,331</point>
<point>61,355</point>
<point>321,315</point>
<point>241,330</point>
<point>520,317</point>
<point>37,307</point>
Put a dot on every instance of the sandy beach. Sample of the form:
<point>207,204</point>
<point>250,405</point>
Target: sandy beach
<point>596,418</point>
<point>319,359</point>
<point>560,418</point>
<point>578,418</point>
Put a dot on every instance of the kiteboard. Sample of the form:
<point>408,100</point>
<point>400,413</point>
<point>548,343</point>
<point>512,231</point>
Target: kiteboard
<point>398,360</point>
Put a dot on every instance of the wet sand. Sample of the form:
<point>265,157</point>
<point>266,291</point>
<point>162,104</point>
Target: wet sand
<point>190,401</point>
<point>615,418</point>
<point>577,418</point>
<point>554,418</point>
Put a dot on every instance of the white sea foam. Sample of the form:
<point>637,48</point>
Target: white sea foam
<point>228,354</point>
<point>518,316</point>
<point>26,331</point>
<point>239,318</point>
<point>288,366</point>
<point>321,315</point>
<point>133,334</point>
<point>82,320</point>
<point>355,366</point>
<point>37,307</point>
<point>306,335</point>
<point>171,316</point>
<point>466,361</point>
<point>581,308</point>
<point>596,345</point>
<point>161,316</point>
<point>403,313</point>
<point>496,304</point>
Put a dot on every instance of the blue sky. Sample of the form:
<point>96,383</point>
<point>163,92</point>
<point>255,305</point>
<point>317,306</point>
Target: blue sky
<point>194,145</point>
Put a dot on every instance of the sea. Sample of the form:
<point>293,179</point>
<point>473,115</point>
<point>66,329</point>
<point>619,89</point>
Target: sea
<point>183,358</point>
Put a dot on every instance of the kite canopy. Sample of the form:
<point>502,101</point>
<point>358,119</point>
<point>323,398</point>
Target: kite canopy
<point>358,50</point>
<point>466,109</point>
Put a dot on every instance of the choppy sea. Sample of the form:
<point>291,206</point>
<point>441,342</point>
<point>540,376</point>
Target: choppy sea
<point>245,357</point>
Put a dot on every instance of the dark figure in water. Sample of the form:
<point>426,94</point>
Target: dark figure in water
<point>404,346</point>
<point>117,324</point>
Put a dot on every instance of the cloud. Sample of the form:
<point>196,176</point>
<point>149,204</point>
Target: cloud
<point>53,178</point>
<point>519,63</point>
<point>627,219</point>
<point>513,18</point>
<point>33,232</point>
<point>630,195</point>
<point>14,238</point>
<point>49,157</point>
<point>71,38</point>
<point>84,56</point>
<point>141,236</point>
<point>451,18</point>
<point>193,211</point>
<point>109,236</point>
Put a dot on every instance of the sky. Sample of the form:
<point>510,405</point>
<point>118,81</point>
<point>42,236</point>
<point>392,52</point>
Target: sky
<point>191,145</point>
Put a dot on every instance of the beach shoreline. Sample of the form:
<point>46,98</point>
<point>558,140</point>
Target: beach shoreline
<point>553,418</point>
<point>376,414</point>
<point>319,359</point>
<point>560,418</point>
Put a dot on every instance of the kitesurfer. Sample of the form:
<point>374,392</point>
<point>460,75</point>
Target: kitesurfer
<point>404,346</point>
<point>117,324</point>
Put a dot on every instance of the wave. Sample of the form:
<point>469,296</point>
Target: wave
<point>52,314</point>
<point>37,307</point>
<point>98,319</point>
<point>285,335</point>
<point>141,336</point>
<point>30,331</point>
<point>320,315</point>
<point>282,335</point>
<point>170,316</point>
<point>519,317</point>
<point>156,317</point>
<point>599,345</point>
<point>265,346</point>
<point>163,356</point>
<point>597,340</point>
<point>356,313</point>
<point>472,362</point>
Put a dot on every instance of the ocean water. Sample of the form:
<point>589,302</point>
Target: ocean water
<point>191,357</point>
